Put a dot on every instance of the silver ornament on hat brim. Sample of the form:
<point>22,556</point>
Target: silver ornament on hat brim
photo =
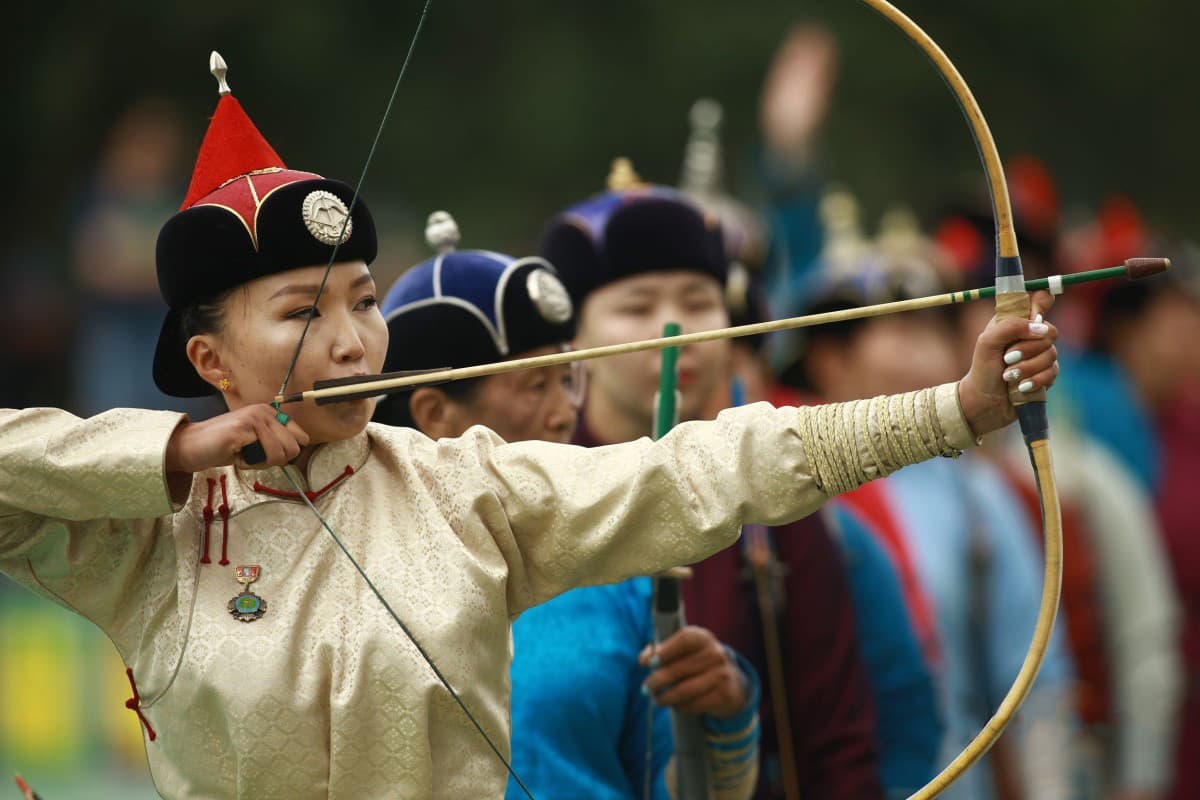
<point>326,217</point>
<point>549,296</point>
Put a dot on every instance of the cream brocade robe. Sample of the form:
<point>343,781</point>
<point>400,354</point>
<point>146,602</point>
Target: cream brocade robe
<point>325,696</point>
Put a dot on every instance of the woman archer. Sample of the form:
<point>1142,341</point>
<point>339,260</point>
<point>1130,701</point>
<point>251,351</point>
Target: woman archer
<point>262,664</point>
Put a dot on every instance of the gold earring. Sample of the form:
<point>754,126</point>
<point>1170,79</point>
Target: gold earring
<point>224,384</point>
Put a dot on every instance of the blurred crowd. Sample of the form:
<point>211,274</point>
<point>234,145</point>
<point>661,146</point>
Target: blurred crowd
<point>1116,710</point>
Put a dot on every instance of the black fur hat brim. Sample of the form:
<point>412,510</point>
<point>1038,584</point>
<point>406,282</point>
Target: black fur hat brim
<point>446,333</point>
<point>632,233</point>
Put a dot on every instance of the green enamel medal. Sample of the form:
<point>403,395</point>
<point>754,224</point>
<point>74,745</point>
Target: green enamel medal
<point>247,606</point>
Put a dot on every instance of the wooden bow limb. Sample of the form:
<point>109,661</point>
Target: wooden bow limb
<point>1012,300</point>
<point>336,390</point>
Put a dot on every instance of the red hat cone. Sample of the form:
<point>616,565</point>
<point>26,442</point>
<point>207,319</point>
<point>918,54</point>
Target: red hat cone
<point>232,147</point>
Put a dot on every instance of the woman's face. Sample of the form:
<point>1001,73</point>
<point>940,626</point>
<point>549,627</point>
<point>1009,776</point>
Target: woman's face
<point>262,324</point>
<point>637,308</point>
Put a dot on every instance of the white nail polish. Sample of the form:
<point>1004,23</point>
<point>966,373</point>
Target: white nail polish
<point>1039,328</point>
<point>1012,374</point>
<point>1013,356</point>
<point>1038,318</point>
<point>1025,386</point>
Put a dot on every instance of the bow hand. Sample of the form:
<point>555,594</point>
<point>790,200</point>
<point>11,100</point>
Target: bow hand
<point>1015,358</point>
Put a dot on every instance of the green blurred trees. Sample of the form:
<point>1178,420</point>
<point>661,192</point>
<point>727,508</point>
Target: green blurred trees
<point>511,110</point>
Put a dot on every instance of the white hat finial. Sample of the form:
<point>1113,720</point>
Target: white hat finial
<point>441,232</point>
<point>706,115</point>
<point>702,160</point>
<point>845,245</point>
<point>218,67</point>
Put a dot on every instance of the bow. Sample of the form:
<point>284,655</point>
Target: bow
<point>1012,300</point>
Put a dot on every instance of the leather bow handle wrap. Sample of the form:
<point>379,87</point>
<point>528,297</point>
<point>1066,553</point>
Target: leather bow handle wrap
<point>1017,305</point>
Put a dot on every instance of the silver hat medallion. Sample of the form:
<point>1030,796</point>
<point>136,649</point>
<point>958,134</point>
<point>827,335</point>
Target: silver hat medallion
<point>549,296</point>
<point>324,215</point>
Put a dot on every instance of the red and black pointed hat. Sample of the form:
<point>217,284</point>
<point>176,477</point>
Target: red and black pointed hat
<point>246,215</point>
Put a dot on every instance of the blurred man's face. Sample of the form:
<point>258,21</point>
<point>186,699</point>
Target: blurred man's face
<point>899,353</point>
<point>637,308</point>
<point>1159,349</point>
<point>533,404</point>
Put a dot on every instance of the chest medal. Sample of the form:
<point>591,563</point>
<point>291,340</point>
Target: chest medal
<point>247,606</point>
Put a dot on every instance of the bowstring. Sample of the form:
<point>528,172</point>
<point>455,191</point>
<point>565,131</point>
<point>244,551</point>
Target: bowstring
<point>387,111</point>
<point>396,617</point>
<point>412,46</point>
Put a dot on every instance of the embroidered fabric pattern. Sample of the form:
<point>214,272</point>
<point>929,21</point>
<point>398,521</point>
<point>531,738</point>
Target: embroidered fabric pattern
<point>324,697</point>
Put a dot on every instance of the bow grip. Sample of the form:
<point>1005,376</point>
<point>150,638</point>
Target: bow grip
<point>1017,305</point>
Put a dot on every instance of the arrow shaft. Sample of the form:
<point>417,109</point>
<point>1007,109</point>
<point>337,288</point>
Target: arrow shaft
<point>362,388</point>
